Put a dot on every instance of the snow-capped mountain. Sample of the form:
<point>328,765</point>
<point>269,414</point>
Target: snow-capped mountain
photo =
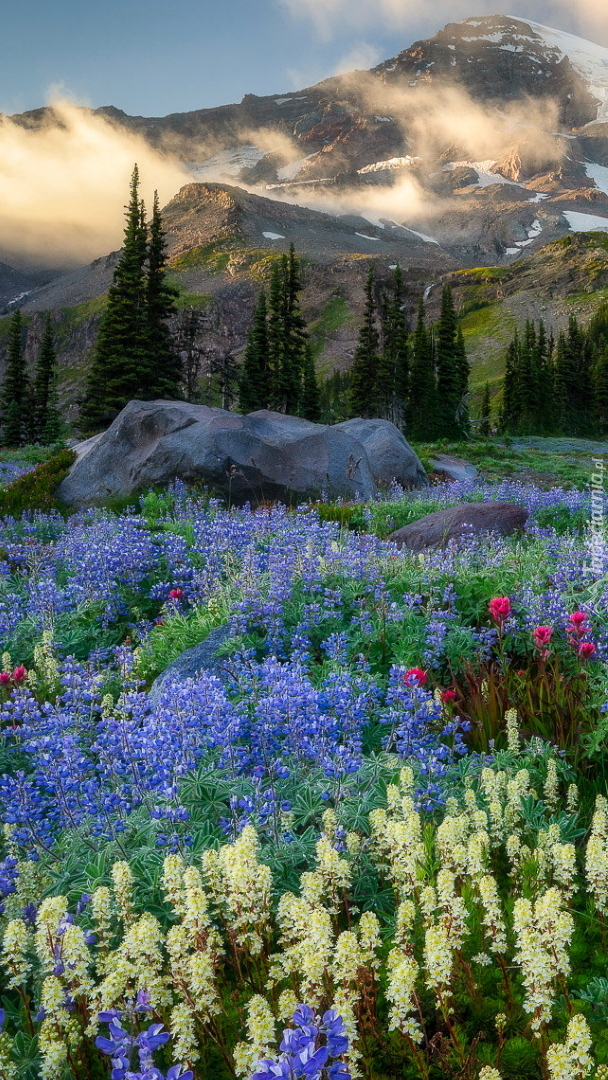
<point>490,139</point>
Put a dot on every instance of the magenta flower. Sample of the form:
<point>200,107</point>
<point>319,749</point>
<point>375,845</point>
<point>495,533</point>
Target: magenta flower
<point>500,608</point>
<point>415,677</point>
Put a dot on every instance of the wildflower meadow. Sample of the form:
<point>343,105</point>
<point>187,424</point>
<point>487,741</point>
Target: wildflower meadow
<point>370,841</point>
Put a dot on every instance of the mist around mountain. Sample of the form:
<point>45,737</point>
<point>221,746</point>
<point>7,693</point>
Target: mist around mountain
<point>477,148</point>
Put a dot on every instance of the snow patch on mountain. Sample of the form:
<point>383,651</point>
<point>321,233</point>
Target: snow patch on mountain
<point>388,164</point>
<point>485,172</point>
<point>534,232</point>
<point>589,59</point>
<point>585,222</point>
<point>598,173</point>
<point>227,163</point>
<point>423,236</point>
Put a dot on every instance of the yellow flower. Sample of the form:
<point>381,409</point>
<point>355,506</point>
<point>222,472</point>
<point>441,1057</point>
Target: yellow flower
<point>15,946</point>
<point>402,974</point>
<point>571,1060</point>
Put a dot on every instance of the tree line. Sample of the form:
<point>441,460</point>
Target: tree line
<point>417,379</point>
<point>557,386</point>
<point>28,399</point>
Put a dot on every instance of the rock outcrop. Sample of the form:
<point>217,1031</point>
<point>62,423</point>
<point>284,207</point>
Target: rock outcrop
<point>436,530</point>
<point>264,455</point>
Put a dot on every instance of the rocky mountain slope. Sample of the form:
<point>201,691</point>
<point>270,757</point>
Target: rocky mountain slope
<point>491,137</point>
<point>480,153</point>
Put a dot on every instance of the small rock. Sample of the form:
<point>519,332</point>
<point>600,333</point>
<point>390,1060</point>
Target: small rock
<point>193,662</point>
<point>453,467</point>
<point>436,530</point>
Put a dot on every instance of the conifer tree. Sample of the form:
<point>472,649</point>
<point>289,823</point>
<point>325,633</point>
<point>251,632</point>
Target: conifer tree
<point>120,358</point>
<point>15,386</point>
<point>451,371</point>
<point>162,380</point>
<point>393,370</point>
<point>600,386</point>
<point>277,343</point>
<point>46,421</point>
<point>254,385</point>
<point>291,373</point>
<point>422,400</point>
<point>364,387</point>
<point>134,356</point>
<point>310,407</point>
<point>509,410</point>
<point>573,381</point>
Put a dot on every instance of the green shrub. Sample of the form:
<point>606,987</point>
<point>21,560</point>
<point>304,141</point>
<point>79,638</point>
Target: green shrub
<point>36,489</point>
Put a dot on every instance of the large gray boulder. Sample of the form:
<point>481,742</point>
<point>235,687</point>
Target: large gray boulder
<point>390,456</point>
<point>264,455</point>
<point>438,529</point>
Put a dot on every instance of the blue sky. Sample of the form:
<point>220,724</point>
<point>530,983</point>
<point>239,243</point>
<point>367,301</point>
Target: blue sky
<point>151,57</point>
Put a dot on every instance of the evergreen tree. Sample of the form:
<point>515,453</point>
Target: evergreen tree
<point>254,385</point>
<point>422,400</point>
<point>393,369</point>
<point>364,372</point>
<point>573,381</point>
<point>310,408</point>
<point>452,375</point>
<point>162,380</point>
<point>335,398</point>
<point>600,386</point>
<point>509,415</point>
<point>15,386</point>
<point>134,356</point>
<point>291,379</point>
<point>277,343</point>
<point>46,423</point>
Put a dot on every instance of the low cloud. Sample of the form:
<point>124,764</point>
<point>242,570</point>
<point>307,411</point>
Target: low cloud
<point>437,122</point>
<point>63,185</point>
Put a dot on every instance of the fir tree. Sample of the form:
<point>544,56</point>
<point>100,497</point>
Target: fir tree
<point>46,421</point>
<point>573,381</point>
<point>508,413</point>
<point>600,386</point>
<point>310,408</point>
<point>291,376</point>
<point>162,379</point>
<point>15,386</point>
<point>277,343</point>
<point>422,399</point>
<point>393,369</point>
<point>254,385</point>
<point>364,372</point>
<point>134,356</point>
<point>451,371</point>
